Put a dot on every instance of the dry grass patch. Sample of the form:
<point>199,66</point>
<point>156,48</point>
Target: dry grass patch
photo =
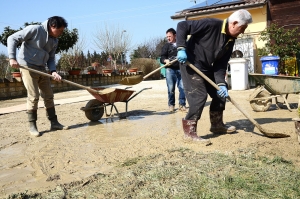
<point>182,173</point>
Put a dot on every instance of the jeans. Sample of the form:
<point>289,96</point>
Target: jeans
<point>173,76</point>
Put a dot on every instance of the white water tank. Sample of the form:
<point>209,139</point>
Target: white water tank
<point>239,73</point>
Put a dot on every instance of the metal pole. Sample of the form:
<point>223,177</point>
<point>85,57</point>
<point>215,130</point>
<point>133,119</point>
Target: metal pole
<point>122,48</point>
<point>122,60</point>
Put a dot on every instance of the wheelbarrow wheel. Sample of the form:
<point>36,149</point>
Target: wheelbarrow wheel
<point>263,104</point>
<point>96,112</point>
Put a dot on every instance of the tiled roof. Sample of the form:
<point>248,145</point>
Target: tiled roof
<point>219,8</point>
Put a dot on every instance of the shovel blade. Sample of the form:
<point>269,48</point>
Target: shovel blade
<point>131,80</point>
<point>268,133</point>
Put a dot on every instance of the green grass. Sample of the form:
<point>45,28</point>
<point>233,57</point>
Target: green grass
<point>182,173</point>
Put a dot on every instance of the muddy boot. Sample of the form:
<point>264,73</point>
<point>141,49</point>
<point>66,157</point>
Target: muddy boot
<point>217,125</point>
<point>32,117</point>
<point>190,128</point>
<point>55,125</point>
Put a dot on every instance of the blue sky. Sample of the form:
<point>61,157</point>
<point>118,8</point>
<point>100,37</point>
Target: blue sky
<point>141,19</point>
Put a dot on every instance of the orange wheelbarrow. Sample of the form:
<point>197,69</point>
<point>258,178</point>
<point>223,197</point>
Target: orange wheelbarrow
<point>95,108</point>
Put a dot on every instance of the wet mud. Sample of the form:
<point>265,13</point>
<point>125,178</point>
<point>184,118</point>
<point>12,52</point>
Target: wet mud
<point>57,157</point>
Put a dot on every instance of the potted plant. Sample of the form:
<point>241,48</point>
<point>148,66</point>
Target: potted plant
<point>133,70</point>
<point>74,71</point>
<point>121,70</point>
<point>91,70</point>
<point>106,70</point>
<point>15,72</point>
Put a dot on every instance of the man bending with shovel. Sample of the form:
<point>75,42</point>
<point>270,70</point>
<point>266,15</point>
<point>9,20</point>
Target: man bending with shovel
<point>39,43</point>
<point>209,49</point>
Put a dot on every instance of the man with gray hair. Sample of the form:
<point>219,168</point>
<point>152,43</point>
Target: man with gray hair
<point>209,49</point>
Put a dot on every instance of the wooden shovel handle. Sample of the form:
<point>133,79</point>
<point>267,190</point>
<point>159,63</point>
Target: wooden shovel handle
<point>229,98</point>
<point>63,80</point>
<point>170,63</point>
<point>203,75</point>
<point>151,73</point>
<point>268,134</point>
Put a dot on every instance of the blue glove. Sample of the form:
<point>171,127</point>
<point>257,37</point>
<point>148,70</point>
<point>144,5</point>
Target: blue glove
<point>223,92</point>
<point>181,56</point>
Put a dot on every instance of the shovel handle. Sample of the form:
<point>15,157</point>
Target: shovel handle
<point>229,98</point>
<point>63,80</point>
<point>203,76</point>
<point>170,63</point>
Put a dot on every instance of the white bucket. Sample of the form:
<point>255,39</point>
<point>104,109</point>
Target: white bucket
<point>239,73</point>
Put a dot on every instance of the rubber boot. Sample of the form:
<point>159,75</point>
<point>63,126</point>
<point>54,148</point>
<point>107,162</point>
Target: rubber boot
<point>217,125</point>
<point>32,117</point>
<point>55,125</point>
<point>190,131</point>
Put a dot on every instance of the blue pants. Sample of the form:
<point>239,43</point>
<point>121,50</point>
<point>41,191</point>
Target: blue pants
<point>173,76</point>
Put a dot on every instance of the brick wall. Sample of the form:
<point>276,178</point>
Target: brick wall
<point>16,89</point>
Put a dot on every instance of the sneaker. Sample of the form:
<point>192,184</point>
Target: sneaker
<point>171,108</point>
<point>182,108</point>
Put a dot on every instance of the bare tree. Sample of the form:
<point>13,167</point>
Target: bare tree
<point>151,48</point>
<point>155,46</point>
<point>73,57</point>
<point>113,40</point>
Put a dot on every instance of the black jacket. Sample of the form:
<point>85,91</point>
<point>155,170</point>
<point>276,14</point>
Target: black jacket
<point>169,51</point>
<point>209,48</point>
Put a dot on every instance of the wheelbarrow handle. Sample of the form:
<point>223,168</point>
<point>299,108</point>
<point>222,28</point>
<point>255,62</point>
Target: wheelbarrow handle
<point>63,80</point>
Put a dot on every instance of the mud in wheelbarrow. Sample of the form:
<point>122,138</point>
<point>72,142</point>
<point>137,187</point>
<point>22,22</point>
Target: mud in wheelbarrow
<point>95,108</point>
<point>271,87</point>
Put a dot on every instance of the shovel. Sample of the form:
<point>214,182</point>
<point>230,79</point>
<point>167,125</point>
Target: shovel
<point>100,92</point>
<point>263,131</point>
<point>138,78</point>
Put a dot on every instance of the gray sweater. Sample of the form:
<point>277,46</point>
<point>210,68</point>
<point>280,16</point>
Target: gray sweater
<point>37,49</point>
